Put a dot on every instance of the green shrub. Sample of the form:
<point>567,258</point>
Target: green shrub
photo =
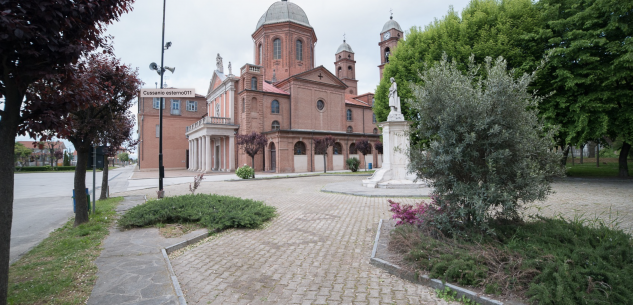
<point>549,261</point>
<point>484,148</point>
<point>65,168</point>
<point>35,168</point>
<point>352,164</point>
<point>245,172</point>
<point>212,211</point>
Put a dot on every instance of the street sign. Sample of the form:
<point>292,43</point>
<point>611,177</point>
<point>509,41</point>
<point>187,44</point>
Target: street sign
<point>188,92</point>
<point>100,157</point>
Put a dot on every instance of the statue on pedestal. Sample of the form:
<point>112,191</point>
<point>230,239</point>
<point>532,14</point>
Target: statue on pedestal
<point>394,103</point>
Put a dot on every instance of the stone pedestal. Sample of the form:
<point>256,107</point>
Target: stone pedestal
<point>393,173</point>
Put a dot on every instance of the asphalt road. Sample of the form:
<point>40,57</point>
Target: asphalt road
<point>43,202</point>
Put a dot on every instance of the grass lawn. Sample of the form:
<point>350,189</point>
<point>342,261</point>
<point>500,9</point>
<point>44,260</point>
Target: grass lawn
<point>548,261</point>
<point>61,269</point>
<point>589,169</point>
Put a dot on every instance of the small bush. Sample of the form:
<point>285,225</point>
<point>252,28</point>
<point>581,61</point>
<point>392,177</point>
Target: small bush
<point>353,164</point>
<point>245,172</point>
<point>407,214</point>
<point>212,211</point>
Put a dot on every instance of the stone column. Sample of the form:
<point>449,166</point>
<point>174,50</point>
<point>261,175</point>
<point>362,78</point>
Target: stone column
<point>204,153</point>
<point>208,155</point>
<point>194,166</point>
<point>232,152</point>
<point>189,156</point>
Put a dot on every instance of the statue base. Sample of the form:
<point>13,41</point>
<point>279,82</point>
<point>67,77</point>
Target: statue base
<point>393,174</point>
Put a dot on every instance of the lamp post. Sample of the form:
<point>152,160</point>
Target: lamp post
<point>161,70</point>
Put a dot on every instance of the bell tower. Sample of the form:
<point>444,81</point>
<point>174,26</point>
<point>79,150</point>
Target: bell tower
<point>389,36</point>
<point>345,67</point>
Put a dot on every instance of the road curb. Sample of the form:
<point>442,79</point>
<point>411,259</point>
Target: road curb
<point>425,280</point>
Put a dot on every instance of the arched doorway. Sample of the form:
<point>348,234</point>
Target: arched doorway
<point>273,157</point>
<point>300,157</point>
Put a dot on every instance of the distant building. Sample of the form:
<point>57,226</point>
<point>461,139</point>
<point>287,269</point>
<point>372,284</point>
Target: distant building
<point>177,115</point>
<point>40,152</point>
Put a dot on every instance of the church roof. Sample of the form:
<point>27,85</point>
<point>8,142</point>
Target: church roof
<point>283,11</point>
<point>270,88</point>
<point>349,99</point>
<point>344,47</point>
<point>391,24</point>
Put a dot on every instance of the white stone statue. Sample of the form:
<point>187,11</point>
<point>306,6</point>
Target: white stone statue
<point>219,64</point>
<point>394,103</point>
<point>230,70</point>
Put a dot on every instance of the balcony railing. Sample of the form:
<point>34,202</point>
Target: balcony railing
<point>209,121</point>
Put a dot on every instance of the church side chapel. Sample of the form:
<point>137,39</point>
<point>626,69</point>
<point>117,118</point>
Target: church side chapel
<point>284,95</point>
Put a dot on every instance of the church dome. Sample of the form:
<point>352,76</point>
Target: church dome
<point>391,24</point>
<point>344,47</point>
<point>283,11</point>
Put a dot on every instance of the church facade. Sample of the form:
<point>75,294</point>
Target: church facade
<point>284,95</point>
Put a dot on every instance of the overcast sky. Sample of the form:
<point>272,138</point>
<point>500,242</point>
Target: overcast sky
<point>200,29</point>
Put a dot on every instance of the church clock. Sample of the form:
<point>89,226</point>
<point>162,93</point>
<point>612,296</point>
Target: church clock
<point>386,36</point>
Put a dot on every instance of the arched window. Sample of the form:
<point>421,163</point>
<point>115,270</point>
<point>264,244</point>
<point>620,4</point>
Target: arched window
<point>349,129</point>
<point>340,69</point>
<point>387,53</point>
<point>300,148</point>
<point>349,68</point>
<point>260,51</point>
<point>299,50</point>
<point>373,119</point>
<point>277,49</point>
<point>352,149</point>
<point>349,114</point>
<point>275,125</point>
<point>338,149</point>
<point>243,105</point>
<point>274,107</point>
<point>254,83</point>
<point>375,130</point>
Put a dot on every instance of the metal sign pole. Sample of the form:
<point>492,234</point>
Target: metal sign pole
<point>94,176</point>
<point>161,170</point>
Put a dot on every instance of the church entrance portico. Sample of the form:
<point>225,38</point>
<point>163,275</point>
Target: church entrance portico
<point>212,142</point>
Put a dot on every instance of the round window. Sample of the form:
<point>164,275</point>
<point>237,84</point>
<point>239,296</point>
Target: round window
<point>320,105</point>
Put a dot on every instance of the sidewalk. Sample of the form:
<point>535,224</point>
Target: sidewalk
<point>132,269</point>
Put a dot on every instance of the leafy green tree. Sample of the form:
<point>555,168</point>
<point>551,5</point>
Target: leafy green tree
<point>21,153</point>
<point>124,157</point>
<point>592,70</point>
<point>492,28</point>
<point>488,151</point>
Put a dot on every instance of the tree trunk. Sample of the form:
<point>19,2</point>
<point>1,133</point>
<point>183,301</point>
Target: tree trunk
<point>81,202</point>
<point>52,157</point>
<point>572,156</point>
<point>598,155</point>
<point>624,153</point>
<point>104,180</point>
<point>582,152</point>
<point>8,131</point>
<point>563,161</point>
<point>253,165</point>
<point>324,164</point>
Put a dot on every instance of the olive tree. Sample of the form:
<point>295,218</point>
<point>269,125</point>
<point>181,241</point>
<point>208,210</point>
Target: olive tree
<point>488,152</point>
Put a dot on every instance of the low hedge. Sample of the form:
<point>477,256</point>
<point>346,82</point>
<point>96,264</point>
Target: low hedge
<point>46,168</point>
<point>212,211</point>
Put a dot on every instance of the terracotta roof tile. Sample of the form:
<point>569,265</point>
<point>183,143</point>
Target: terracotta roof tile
<point>270,88</point>
<point>349,99</point>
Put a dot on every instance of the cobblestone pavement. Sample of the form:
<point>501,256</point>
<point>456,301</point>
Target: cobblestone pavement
<point>317,251</point>
<point>610,200</point>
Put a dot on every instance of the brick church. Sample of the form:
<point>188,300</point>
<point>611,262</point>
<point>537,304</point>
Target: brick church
<point>287,97</point>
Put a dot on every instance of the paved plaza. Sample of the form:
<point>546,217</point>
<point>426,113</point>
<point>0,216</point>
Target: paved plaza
<point>317,250</point>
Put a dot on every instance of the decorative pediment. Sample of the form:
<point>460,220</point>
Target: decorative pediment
<point>216,81</point>
<point>319,75</point>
